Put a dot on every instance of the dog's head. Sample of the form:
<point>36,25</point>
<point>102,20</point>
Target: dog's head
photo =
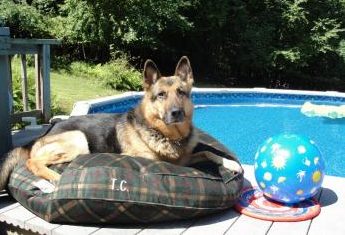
<point>167,105</point>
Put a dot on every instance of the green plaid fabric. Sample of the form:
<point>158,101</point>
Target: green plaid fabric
<point>111,188</point>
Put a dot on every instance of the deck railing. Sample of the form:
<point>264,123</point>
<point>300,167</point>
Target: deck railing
<point>23,47</point>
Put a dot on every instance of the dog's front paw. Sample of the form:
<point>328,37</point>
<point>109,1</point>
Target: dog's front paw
<point>232,165</point>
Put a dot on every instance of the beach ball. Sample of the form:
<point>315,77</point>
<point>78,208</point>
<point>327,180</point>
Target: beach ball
<point>289,168</point>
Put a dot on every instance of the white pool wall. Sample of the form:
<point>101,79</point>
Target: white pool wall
<point>83,107</point>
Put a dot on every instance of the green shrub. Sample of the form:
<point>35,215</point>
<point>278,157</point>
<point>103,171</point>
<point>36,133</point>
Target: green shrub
<point>117,74</point>
<point>17,87</point>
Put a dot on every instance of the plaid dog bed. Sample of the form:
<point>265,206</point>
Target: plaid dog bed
<point>111,188</point>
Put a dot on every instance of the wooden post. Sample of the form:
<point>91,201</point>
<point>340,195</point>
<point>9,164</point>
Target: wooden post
<point>45,76</point>
<point>38,81</point>
<point>24,83</point>
<point>5,125</point>
<point>10,84</point>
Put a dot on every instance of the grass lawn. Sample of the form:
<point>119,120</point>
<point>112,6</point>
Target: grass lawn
<point>67,89</point>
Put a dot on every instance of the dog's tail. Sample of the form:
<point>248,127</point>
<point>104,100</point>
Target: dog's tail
<point>12,159</point>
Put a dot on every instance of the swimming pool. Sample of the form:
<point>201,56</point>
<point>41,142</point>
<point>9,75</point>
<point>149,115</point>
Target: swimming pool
<point>243,118</point>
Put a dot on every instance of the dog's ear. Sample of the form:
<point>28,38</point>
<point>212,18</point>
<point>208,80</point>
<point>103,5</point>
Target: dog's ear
<point>184,70</point>
<point>151,73</point>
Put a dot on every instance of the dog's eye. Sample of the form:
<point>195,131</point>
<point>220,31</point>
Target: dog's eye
<point>181,92</point>
<point>161,95</point>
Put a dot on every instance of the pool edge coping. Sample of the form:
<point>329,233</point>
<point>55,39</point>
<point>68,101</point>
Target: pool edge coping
<point>82,107</point>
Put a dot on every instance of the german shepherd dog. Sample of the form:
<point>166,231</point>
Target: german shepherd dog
<point>159,128</point>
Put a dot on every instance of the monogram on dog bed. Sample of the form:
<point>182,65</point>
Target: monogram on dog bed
<point>111,188</point>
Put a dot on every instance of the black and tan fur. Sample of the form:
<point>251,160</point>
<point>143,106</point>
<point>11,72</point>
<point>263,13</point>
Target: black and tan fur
<point>159,128</point>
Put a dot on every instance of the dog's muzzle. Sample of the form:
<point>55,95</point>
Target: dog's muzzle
<point>174,116</point>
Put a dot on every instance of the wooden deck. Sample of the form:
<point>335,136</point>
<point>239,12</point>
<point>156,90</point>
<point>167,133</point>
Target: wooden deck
<point>329,221</point>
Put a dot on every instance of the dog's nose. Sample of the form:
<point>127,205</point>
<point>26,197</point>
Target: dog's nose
<point>176,115</point>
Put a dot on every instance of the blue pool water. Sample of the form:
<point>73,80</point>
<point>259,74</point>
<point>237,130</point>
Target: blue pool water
<point>242,128</point>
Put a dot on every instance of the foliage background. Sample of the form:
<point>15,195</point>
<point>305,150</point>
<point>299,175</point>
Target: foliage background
<point>297,44</point>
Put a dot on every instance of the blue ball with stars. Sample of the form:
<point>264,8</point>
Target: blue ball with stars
<point>289,168</point>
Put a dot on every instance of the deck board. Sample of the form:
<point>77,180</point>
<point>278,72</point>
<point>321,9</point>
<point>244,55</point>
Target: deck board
<point>287,228</point>
<point>17,216</point>
<point>332,208</point>
<point>249,226</point>
<point>74,230</point>
<point>168,228</point>
<point>125,230</point>
<point>40,226</point>
<point>215,224</point>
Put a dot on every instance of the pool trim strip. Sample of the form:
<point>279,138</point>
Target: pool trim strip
<point>86,106</point>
